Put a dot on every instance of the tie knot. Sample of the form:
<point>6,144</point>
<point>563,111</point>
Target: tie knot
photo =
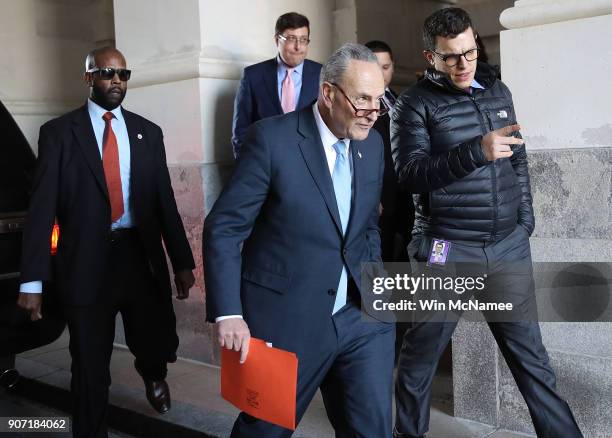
<point>340,148</point>
<point>108,116</point>
<point>290,71</point>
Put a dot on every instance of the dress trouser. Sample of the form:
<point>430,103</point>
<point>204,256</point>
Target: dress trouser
<point>353,366</point>
<point>150,333</point>
<point>393,242</point>
<point>509,278</point>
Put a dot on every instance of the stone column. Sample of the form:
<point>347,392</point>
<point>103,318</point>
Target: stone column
<point>557,61</point>
<point>400,24</point>
<point>484,15</point>
<point>187,58</point>
<point>44,45</point>
<point>345,22</point>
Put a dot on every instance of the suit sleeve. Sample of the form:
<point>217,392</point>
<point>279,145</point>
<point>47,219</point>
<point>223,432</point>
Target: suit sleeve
<point>520,166</point>
<point>173,231</point>
<point>36,253</point>
<point>229,224</point>
<point>373,231</point>
<point>419,170</point>
<point>243,113</point>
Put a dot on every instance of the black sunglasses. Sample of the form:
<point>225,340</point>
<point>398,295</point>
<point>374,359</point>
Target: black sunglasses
<point>364,112</point>
<point>108,73</point>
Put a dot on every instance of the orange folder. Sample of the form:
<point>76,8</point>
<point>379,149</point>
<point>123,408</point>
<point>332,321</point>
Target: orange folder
<point>264,386</point>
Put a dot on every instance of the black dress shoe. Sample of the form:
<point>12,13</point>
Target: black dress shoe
<point>398,434</point>
<point>158,393</point>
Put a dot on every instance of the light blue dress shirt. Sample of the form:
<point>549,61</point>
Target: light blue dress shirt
<point>281,72</point>
<point>120,129</point>
<point>477,85</point>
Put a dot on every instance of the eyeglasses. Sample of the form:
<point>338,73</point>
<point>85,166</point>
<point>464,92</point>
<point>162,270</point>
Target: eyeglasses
<point>364,112</point>
<point>292,39</point>
<point>454,58</point>
<point>108,73</point>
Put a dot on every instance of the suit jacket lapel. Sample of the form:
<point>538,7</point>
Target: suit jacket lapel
<point>137,150</point>
<point>358,171</point>
<point>314,156</point>
<point>271,83</point>
<point>86,139</point>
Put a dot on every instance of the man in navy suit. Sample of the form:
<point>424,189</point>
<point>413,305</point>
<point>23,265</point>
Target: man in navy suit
<point>303,201</point>
<point>279,85</point>
<point>397,217</point>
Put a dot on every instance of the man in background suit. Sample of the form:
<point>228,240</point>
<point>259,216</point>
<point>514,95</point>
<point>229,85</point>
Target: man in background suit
<point>102,174</point>
<point>303,199</point>
<point>279,85</point>
<point>397,216</point>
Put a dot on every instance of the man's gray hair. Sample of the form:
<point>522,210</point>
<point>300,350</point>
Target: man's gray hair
<point>338,63</point>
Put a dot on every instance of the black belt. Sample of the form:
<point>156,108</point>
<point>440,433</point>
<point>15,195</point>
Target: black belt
<point>119,234</point>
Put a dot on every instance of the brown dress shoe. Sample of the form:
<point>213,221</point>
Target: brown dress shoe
<point>158,393</point>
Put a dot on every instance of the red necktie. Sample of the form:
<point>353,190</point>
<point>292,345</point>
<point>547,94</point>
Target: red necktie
<point>112,172</point>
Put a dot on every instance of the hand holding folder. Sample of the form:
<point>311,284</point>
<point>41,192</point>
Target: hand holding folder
<point>264,386</point>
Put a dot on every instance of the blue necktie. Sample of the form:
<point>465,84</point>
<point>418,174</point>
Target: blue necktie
<point>341,178</point>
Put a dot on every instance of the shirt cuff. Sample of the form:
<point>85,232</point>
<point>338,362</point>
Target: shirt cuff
<point>221,318</point>
<point>32,287</point>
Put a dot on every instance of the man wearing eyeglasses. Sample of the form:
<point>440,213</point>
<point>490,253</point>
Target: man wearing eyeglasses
<point>456,144</point>
<point>303,202</point>
<point>279,85</point>
<point>102,174</point>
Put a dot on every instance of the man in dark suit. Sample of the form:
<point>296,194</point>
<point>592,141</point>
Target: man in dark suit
<point>102,175</point>
<point>397,209</point>
<point>397,215</point>
<point>279,85</point>
<point>303,201</point>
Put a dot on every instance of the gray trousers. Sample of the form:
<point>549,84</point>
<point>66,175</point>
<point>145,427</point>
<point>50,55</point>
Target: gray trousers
<point>509,275</point>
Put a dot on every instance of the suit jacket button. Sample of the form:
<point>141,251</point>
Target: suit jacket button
<point>344,251</point>
<point>331,292</point>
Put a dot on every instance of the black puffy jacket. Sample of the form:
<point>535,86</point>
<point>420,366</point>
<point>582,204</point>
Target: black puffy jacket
<point>435,135</point>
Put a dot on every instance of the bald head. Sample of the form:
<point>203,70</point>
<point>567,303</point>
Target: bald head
<point>93,58</point>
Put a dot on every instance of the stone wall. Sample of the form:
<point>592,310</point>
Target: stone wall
<point>572,192</point>
<point>44,44</point>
